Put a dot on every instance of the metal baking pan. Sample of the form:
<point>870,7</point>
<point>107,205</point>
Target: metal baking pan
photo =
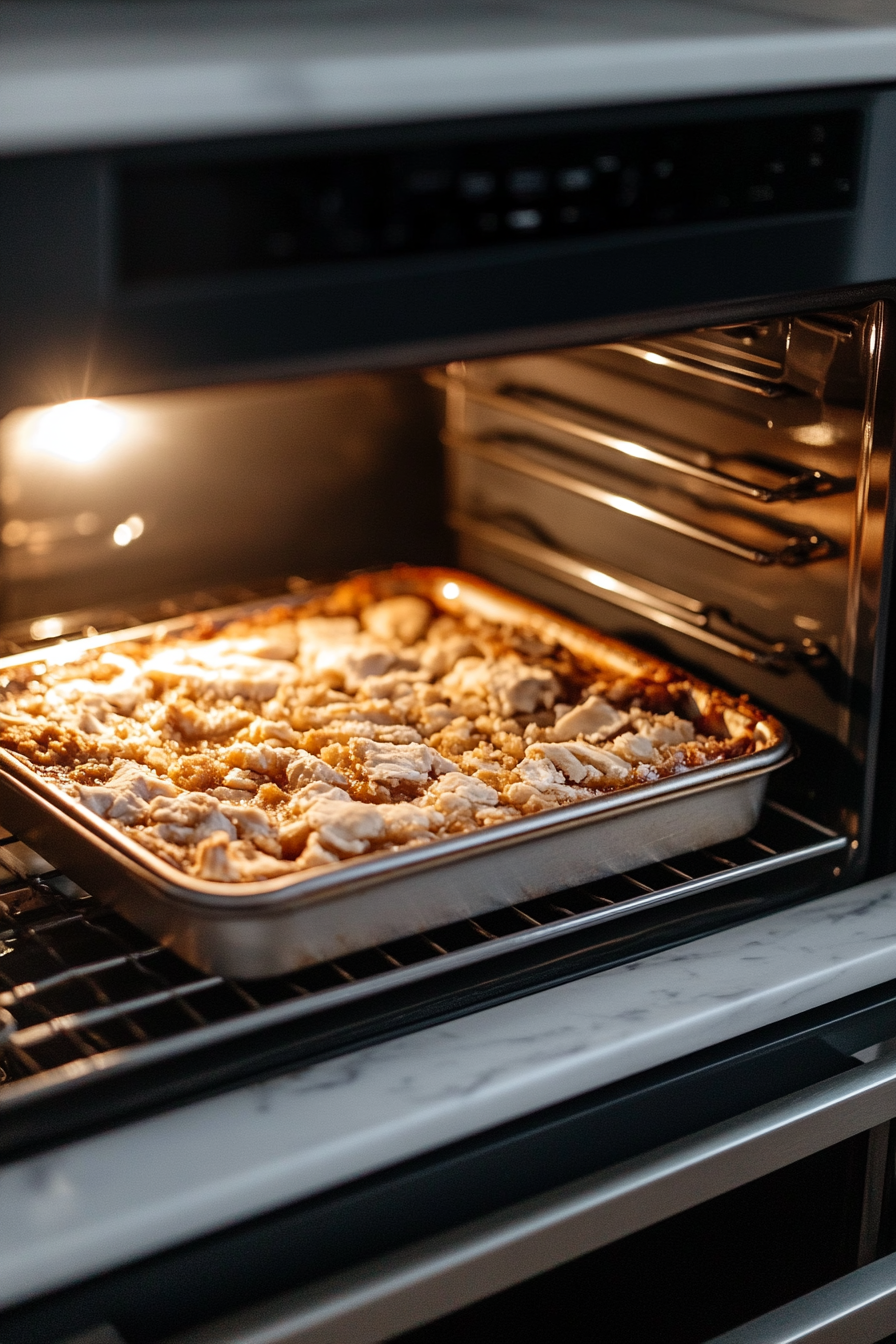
<point>272,927</point>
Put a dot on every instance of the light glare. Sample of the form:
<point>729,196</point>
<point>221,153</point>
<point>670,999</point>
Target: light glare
<point>129,530</point>
<point>630,506</point>
<point>601,580</point>
<point>76,431</point>
<point>817,436</point>
<point>87,523</point>
<point>51,627</point>
<point>450,590</point>
<point>15,532</point>
<point>632,449</point>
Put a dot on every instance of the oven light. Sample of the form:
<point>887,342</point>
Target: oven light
<point>77,431</point>
<point>51,627</point>
<point>451,591</point>
<point>129,530</point>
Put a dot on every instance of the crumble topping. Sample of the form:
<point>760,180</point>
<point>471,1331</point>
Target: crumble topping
<point>300,738</point>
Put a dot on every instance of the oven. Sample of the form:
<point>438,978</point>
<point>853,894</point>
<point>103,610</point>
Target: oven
<point>617,334</point>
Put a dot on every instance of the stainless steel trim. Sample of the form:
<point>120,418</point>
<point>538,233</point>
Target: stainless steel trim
<point>702,346</point>
<point>873,1193</point>
<point>395,1293</point>
<point>524,465</point>
<point>609,587</point>
<point>670,357</point>
<point>531,403</point>
<point>860,1308</point>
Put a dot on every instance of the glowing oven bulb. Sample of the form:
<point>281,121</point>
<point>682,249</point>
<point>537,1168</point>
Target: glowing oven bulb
<point>51,627</point>
<point>77,431</point>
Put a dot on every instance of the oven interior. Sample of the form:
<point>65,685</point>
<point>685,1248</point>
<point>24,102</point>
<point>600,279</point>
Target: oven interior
<point>718,496</point>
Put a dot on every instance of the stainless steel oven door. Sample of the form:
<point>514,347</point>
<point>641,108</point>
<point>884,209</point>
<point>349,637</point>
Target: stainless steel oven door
<point>393,1294</point>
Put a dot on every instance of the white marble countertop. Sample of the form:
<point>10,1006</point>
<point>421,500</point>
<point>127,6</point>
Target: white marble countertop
<point>102,1201</point>
<point>102,73</point>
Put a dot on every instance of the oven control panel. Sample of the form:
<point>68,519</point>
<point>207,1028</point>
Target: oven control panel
<point>229,211</point>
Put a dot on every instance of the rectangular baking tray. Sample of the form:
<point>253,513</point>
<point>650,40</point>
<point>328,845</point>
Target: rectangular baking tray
<point>252,930</point>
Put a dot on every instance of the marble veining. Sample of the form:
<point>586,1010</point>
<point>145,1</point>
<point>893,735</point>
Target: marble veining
<point>73,83</point>
<point>104,1200</point>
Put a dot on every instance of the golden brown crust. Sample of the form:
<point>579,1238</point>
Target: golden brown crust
<point>371,718</point>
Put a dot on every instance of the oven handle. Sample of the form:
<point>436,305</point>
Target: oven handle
<point>860,1308</point>
<point>397,1292</point>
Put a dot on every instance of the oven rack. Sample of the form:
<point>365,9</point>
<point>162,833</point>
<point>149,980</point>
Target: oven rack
<point>690,461</point>
<point>83,990</point>
<point>532,460</point>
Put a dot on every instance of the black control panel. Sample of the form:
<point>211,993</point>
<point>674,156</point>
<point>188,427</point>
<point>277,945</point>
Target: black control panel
<point>207,216</point>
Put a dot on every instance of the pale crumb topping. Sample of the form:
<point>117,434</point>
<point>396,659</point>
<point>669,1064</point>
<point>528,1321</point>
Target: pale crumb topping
<point>299,739</point>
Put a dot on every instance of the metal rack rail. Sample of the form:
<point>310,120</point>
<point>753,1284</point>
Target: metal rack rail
<point>81,989</point>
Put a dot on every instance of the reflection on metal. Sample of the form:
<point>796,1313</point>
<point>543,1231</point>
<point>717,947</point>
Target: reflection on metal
<point>100,1334</point>
<point>873,1193</point>
<point>857,1309</point>
<point>800,545</point>
<point>799,355</point>
<point>668,355</point>
<point>554,413</point>
<point>397,1292</point>
<point>119,999</point>
<point>662,606</point>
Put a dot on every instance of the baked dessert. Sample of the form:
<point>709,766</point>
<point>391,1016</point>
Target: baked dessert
<point>357,723</point>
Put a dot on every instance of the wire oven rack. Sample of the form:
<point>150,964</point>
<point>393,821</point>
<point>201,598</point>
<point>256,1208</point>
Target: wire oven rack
<point>82,990</point>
